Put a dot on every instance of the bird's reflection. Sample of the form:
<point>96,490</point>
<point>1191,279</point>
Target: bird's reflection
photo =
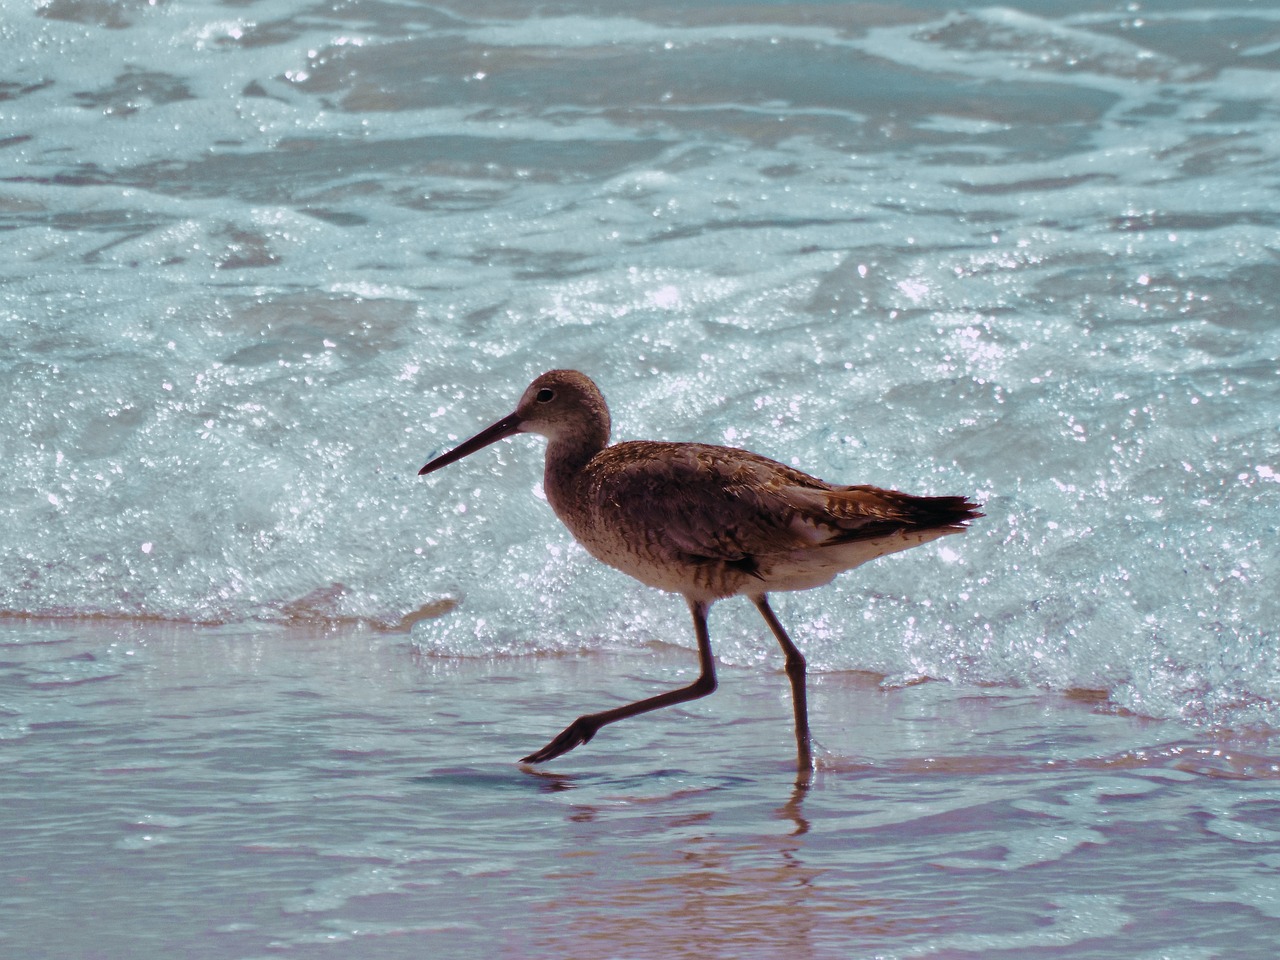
<point>792,809</point>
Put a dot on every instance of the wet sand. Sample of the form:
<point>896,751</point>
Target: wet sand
<point>258,791</point>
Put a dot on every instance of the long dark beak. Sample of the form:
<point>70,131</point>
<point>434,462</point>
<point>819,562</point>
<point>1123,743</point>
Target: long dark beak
<point>503,428</point>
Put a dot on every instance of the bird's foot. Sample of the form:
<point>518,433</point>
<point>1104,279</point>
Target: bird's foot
<point>575,734</point>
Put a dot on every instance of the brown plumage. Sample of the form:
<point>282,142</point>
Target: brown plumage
<point>706,522</point>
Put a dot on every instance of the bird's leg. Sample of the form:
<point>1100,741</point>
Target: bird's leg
<point>585,727</point>
<point>795,673</point>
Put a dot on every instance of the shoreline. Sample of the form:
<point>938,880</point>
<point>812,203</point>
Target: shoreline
<point>256,790</point>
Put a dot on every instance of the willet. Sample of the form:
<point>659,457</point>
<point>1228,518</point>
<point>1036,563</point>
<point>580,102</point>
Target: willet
<point>706,522</point>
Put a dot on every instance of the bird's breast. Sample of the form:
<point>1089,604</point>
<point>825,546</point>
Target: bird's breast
<point>632,536</point>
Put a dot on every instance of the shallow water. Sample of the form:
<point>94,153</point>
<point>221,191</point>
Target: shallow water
<point>260,260</point>
<point>234,792</point>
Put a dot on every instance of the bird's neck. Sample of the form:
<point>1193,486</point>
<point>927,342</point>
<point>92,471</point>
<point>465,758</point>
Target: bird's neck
<point>567,460</point>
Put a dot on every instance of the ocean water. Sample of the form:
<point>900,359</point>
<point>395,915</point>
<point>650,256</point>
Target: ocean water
<point>260,260</point>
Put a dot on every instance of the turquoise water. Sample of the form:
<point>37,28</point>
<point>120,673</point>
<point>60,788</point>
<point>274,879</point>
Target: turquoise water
<point>259,261</point>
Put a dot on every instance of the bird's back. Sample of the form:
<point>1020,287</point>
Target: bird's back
<point>710,522</point>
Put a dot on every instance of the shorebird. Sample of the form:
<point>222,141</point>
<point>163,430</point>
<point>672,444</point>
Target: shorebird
<point>706,522</point>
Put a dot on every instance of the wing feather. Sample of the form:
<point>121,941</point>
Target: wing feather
<point>722,504</point>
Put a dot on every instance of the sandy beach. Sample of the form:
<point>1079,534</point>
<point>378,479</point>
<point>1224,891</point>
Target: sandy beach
<point>256,791</point>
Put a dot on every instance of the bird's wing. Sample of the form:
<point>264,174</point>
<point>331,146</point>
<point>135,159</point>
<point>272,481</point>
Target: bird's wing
<point>718,503</point>
<point>846,514</point>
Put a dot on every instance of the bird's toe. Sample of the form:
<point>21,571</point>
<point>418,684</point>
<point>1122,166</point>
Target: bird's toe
<point>576,734</point>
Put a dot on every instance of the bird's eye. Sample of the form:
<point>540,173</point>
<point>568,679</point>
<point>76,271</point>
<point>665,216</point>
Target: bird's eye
<point>545,395</point>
